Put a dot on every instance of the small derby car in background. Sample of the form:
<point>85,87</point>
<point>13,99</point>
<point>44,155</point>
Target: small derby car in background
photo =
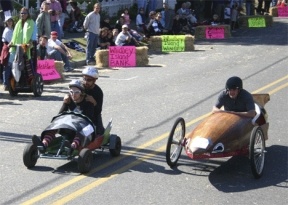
<point>24,76</point>
<point>67,125</point>
<point>223,135</point>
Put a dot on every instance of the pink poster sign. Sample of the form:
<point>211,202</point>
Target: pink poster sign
<point>47,69</point>
<point>122,56</point>
<point>214,32</point>
<point>283,11</point>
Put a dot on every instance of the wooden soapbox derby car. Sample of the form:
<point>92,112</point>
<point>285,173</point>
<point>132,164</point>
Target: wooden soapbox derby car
<point>223,135</point>
<point>67,125</point>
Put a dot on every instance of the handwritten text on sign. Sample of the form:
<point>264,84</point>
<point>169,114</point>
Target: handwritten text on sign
<point>122,56</point>
<point>257,22</point>
<point>215,32</point>
<point>47,69</point>
<point>172,43</point>
<point>283,11</point>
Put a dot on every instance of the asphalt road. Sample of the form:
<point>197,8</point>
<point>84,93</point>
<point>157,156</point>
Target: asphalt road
<point>144,102</point>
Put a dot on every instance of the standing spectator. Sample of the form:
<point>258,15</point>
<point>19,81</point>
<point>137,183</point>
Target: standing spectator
<point>4,58</point>
<point>248,5</point>
<point>58,51</point>
<point>126,17</point>
<point>227,14</point>
<point>142,4</point>
<point>152,4</point>
<point>43,20</point>
<point>167,17</point>
<point>42,48</point>
<point>62,15</point>
<point>92,25</point>
<point>267,6</point>
<point>234,16</point>
<point>260,10</point>
<point>55,12</point>
<point>75,16</point>
<point>23,34</point>
<point>140,20</point>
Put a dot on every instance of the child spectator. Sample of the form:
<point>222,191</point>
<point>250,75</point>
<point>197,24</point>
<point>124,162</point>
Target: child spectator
<point>140,20</point>
<point>227,14</point>
<point>234,16</point>
<point>126,17</point>
<point>42,48</point>
<point>4,58</point>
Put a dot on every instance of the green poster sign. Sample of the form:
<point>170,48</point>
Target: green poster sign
<point>171,43</point>
<point>256,22</point>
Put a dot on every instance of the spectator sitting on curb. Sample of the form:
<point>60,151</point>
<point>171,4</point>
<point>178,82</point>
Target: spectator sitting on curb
<point>124,38</point>
<point>58,51</point>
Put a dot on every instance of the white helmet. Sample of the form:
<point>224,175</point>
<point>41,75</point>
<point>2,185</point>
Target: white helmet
<point>91,71</point>
<point>77,84</point>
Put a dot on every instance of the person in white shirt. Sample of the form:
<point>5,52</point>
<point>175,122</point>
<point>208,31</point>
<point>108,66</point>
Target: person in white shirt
<point>58,51</point>
<point>124,38</point>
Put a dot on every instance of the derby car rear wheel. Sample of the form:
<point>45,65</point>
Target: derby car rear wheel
<point>174,143</point>
<point>12,87</point>
<point>30,155</point>
<point>115,145</point>
<point>257,151</point>
<point>37,85</point>
<point>85,160</point>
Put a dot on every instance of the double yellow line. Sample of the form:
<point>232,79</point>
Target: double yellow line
<point>102,180</point>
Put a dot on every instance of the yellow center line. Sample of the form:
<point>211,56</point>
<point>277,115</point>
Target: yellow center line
<point>102,180</point>
<point>131,152</point>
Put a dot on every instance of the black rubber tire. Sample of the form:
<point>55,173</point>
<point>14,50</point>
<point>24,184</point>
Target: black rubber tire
<point>175,139</point>
<point>118,146</point>
<point>11,87</point>
<point>30,155</point>
<point>85,160</point>
<point>257,152</point>
<point>37,85</point>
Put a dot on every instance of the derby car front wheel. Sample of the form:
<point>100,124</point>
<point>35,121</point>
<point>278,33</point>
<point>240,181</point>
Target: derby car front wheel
<point>37,85</point>
<point>30,155</point>
<point>257,151</point>
<point>115,145</point>
<point>85,160</point>
<point>174,143</point>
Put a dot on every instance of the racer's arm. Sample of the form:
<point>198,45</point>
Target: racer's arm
<point>250,113</point>
<point>90,98</point>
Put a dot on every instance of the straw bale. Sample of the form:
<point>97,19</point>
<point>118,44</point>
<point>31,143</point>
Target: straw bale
<point>102,57</point>
<point>243,20</point>
<point>274,11</point>
<point>200,31</point>
<point>59,65</point>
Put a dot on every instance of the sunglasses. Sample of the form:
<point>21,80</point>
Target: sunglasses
<point>74,92</point>
<point>88,79</point>
<point>23,13</point>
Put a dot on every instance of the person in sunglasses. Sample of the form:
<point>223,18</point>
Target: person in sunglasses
<point>235,99</point>
<point>75,101</point>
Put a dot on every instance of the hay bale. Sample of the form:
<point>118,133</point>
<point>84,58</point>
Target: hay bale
<point>155,43</point>
<point>102,57</point>
<point>59,65</point>
<point>200,31</point>
<point>243,20</point>
<point>273,11</point>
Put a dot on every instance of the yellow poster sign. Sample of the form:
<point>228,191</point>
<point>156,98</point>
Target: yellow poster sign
<point>171,43</point>
<point>256,22</point>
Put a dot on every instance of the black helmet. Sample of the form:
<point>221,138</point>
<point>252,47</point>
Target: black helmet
<point>234,82</point>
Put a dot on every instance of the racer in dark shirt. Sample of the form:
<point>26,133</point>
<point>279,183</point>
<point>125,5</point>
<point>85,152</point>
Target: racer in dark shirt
<point>94,95</point>
<point>235,99</point>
